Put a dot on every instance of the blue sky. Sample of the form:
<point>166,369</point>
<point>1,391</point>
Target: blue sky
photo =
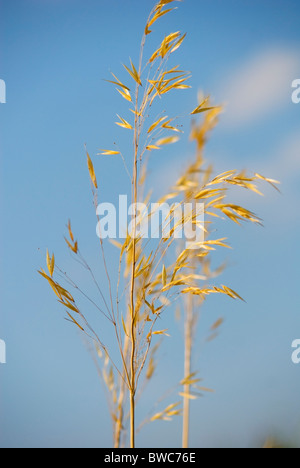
<point>54,55</point>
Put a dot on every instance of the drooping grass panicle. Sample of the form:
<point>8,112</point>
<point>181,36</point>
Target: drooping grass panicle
<point>152,275</point>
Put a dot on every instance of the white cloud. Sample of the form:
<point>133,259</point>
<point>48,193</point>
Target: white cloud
<point>262,85</point>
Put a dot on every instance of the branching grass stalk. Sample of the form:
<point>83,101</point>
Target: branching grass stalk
<point>155,275</point>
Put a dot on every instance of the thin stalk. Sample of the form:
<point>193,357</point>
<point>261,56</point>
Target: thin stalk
<point>132,419</point>
<point>132,287</point>
<point>188,340</point>
<point>122,394</point>
<point>137,132</point>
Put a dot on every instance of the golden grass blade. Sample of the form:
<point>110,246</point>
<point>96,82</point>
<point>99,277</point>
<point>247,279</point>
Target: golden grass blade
<point>124,326</point>
<point>164,276</point>
<point>118,83</point>
<point>156,417</point>
<point>176,85</point>
<point>50,263</point>
<point>190,376</point>
<point>74,247</point>
<point>201,107</point>
<point>218,242</point>
<point>167,414</point>
<point>137,76</point>
<point>116,243</point>
<point>154,56</point>
<point>70,231</point>
<point>173,70</point>
<point>74,321</point>
<point>208,193</point>
<point>108,152</point>
<point>133,73</point>
<point>161,332</point>
<point>124,123</point>
<point>91,171</point>
<point>152,147</point>
<point>205,389</point>
<point>165,2</point>
<point>126,94</point>
<point>220,178</point>
<point>165,46</point>
<point>70,306</point>
<point>158,15</point>
<point>171,407</point>
<point>217,324</point>
<point>178,43</point>
<point>59,290</point>
<point>51,282</point>
<point>136,112</point>
<point>189,381</point>
<point>155,124</point>
<point>167,141</point>
<point>151,368</point>
<point>190,396</point>
<point>63,292</point>
<point>232,293</point>
<point>270,181</point>
<point>171,37</point>
<point>167,126</point>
